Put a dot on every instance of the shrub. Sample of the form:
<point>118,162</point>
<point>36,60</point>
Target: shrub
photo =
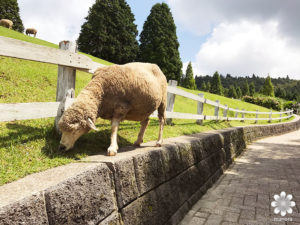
<point>268,102</point>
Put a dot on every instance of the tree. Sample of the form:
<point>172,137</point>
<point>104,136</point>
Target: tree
<point>189,81</point>
<point>239,92</point>
<point>280,92</point>
<point>268,88</point>
<point>109,32</point>
<point>252,89</point>
<point>9,9</point>
<point>216,85</point>
<point>232,92</point>
<point>245,88</point>
<point>158,42</point>
<point>203,87</point>
<point>208,86</point>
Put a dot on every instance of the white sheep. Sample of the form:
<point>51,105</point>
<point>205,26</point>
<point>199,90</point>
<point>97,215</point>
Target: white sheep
<point>6,23</point>
<point>120,92</point>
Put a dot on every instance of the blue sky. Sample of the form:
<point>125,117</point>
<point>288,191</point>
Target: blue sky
<point>232,36</point>
<point>189,42</point>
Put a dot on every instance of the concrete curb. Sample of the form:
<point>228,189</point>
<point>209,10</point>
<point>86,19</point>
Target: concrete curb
<point>139,186</point>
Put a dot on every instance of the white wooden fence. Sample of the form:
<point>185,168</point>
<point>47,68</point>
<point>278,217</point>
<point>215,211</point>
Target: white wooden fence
<point>69,61</point>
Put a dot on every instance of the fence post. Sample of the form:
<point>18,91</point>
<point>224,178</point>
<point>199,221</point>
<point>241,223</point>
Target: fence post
<point>280,115</point>
<point>243,115</point>
<point>200,108</point>
<point>171,100</point>
<point>64,104</point>
<point>270,117</point>
<point>66,78</point>
<point>217,109</point>
<point>256,116</point>
<point>225,111</point>
<point>236,113</point>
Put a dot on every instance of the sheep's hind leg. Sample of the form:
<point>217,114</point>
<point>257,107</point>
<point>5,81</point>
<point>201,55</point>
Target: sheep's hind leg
<point>140,138</point>
<point>161,116</point>
<point>113,148</point>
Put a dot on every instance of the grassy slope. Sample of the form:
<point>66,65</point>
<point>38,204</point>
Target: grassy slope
<point>30,146</point>
<point>19,36</point>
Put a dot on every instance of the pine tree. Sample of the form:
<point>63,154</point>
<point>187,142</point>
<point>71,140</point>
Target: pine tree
<point>252,89</point>
<point>232,92</point>
<point>245,88</point>
<point>268,88</point>
<point>189,81</point>
<point>109,32</point>
<point>9,9</point>
<point>239,92</point>
<point>216,85</point>
<point>158,42</point>
<point>208,86</point>
<point>203,87</point>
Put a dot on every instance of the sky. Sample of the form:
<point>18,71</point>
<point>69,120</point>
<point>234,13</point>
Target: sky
<point>234,37</point>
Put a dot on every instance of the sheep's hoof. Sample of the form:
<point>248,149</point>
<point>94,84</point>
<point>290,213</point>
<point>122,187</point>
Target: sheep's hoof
<point>137,144</point>
<point>158,145</point>
<point>112,150</point>
<point>111,153</point>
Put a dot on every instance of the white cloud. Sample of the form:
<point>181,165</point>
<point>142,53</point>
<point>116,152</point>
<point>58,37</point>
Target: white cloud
<point>244,48</point>
<point>244,37</point>
<point>55,20</point>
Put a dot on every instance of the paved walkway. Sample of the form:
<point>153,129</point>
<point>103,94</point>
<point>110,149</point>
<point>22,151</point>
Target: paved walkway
<point>243,195</point>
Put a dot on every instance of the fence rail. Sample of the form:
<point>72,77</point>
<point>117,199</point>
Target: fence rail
<point>69,61</point>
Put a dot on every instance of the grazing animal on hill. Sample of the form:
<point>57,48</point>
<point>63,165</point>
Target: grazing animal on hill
<point>6,23</point>
<point>120,92</point>
<point>31,31</point>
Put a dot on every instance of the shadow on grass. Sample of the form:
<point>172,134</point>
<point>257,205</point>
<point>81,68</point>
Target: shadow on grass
<point>89,144</point>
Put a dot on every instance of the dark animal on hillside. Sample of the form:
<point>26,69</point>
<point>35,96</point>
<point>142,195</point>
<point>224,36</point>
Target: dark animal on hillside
<point>31,31</point>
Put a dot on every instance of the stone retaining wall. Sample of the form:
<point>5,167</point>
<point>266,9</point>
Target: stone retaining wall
<point>143,186</point>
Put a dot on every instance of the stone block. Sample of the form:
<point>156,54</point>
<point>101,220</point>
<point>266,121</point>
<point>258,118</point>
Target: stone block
<point>30,210</point>
<point>125,181</point>
<point>149,170</point>
<point>144,210</point>
<point>84,199</point>
<point>171,160</point>
<point>113,219</point>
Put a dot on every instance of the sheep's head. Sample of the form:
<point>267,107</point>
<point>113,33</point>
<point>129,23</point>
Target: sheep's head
<point>73,125</point>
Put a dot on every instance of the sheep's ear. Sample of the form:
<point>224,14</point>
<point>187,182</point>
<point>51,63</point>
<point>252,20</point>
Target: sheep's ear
<point>91,124</point>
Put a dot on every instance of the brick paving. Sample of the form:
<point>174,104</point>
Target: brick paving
<point>244,193</point>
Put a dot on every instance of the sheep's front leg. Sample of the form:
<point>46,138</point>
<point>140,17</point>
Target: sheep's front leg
<point>160,135</point>
<point>140,138</point>
<point>113,148</point>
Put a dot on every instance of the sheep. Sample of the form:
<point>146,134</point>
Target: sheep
<point>6,23</point>
<point>119,92</point>
<point>31,31</point>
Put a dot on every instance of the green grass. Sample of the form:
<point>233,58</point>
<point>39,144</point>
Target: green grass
<point>30,146</point>
<point>19,36</point>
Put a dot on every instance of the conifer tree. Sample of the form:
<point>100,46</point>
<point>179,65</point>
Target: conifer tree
<point>239,92</point>
<point>245,89</point>
<point>268,88</point>
<point>158,42</point>
<point>9,9</point>
<point>189,81</point>
<point>252,89</point>
<point>232,92</point>
<point>109,32</point>
<point>216,85</point>
<point>208,86</point>
<point>203,86</point>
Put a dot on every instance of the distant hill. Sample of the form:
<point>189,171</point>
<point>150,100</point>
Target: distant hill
<point>291,87</point>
